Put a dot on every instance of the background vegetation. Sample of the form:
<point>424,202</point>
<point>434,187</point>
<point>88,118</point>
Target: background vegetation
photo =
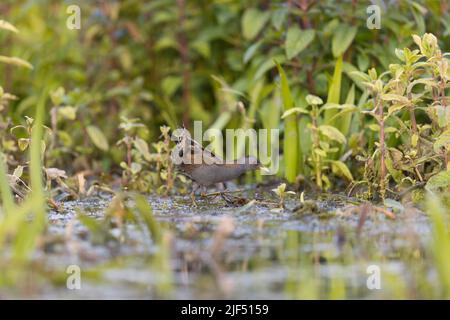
<point>360,110</point>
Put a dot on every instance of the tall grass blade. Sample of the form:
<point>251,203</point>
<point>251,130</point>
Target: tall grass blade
<point>290,142</point>
<point>334,91</point>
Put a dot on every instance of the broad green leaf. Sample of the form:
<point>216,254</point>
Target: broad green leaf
<point>396,174</point>
<point>297,40</point>
<point>68,112</point>
<point>97,137</point>
<point>440,180</point>
<point>170,84</point>
<point>18,171</point>
<point>442,141</point>
<point>339,168</point>
<point>57,96</point>
<point>253,21</point>
<point>23,143</point>
<point>279,17</point>
<point>394,97</point>
<point>395,108</point>
<point>313,100</point>
<point>332,133</point>
<point>443,115</point>
<point>295,110</point>
<point>337,106</point>
<point>250,52</point>
<point>142,146</point>
<point>267,65</point>
<point>342,39</point>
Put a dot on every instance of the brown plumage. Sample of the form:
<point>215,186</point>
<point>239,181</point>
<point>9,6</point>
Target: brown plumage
<point>204,167</point>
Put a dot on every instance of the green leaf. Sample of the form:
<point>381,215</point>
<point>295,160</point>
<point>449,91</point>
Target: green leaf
<point>97,137</point>
<point>250,52</point>
<point>68,112</point>
<point>23,143</point>
<point>332,133</point>
<point>342,39</point>
<point>297,40</point>
<point>358,77</point>
<point>16,61</point>
<point>394,97</point>
<point>253,21</point>
<point>440,180</point>
<point>442,141</point>
<point>291,143</point>
<point>313,100</point>
<point>443,115</point>
<point>279,17</point>
<point>142,146</point>
<point>334,90</point>
<point>267,65</point>
<point>18,171</point>
<point>395,108</point>
<point>295,110</point>
<point>339,168</point>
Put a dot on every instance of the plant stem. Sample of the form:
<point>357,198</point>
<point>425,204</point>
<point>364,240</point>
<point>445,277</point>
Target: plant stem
<point>382,147</point>
<point>444,105</point>
<point>412,116</point>
<point>316,141</point>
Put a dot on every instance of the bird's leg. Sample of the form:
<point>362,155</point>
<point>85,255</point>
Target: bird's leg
<point>223,188</point>
<point>203,191</point>
<point>195,186</point>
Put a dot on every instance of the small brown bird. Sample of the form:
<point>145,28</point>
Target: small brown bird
<point>205,168</point>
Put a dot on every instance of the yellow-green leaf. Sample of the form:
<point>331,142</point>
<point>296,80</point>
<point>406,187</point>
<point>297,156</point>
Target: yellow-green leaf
<point>16,61</point>
<point>297,40</point>
<point>440,180</point>
<point>295,110</point>
<point>97,137</point>
<point>332,133</point>
<point>339,168</point>
<point>68,112</point>
<point>253,21</point>
<point>5,25</point>
<point>342,39</point>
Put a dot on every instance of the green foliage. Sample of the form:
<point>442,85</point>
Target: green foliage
<point>291,144</point>
<point>127,61</point>
<point>135,70</point>
<point>415,87</point>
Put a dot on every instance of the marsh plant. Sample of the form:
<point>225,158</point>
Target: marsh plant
<point>145,169</point>
<point>410,105</point>
<point>93,109</point>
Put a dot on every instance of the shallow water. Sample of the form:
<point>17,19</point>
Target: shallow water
<point>260,253</point>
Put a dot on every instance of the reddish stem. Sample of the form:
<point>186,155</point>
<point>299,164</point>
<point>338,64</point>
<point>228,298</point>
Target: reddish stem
<point>382,148</point>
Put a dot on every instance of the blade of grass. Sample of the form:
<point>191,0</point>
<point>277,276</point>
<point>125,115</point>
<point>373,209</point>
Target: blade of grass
<point>345,120</point>
<point>334,90</point>
<point>290,141</point>
<point>441,241</point>
<point>5,190</point>
<point>28,232</point>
